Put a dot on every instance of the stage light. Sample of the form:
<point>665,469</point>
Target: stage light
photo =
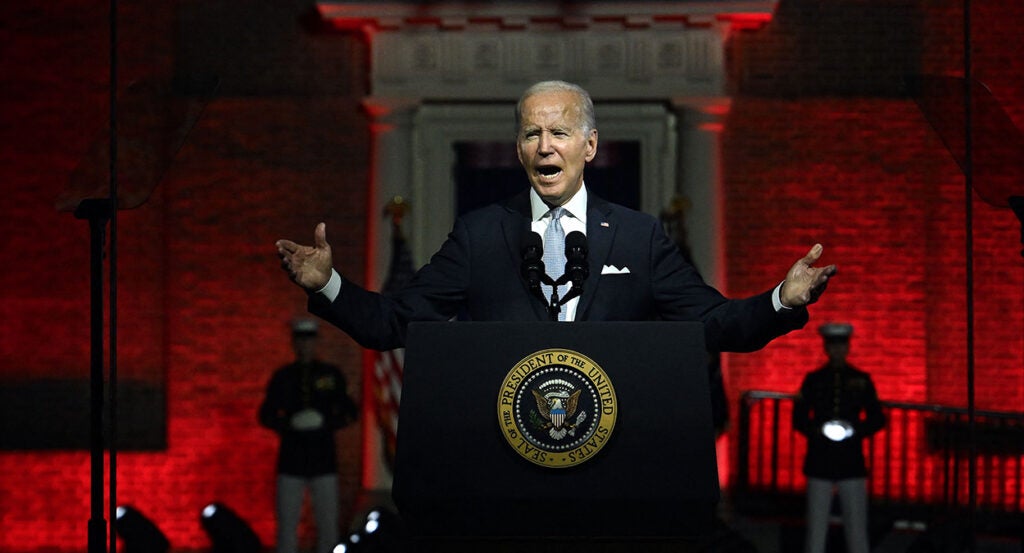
<point>227,531</point>
<point>382,531</point>
<point>138,533</point>
<point>350,545</point>
<point>372,521</point>
<point>371,526</point>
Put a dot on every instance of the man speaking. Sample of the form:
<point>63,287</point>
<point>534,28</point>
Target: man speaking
<point>485,270</point>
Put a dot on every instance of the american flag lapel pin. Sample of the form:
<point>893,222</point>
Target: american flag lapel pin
<point>604,224</point>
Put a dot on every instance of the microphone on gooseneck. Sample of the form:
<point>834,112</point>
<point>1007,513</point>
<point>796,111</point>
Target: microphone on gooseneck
<point>576,269</point>
<point>532,267</point>
<point>576,258</point>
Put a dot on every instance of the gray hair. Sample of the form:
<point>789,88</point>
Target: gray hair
<point>586,104</point>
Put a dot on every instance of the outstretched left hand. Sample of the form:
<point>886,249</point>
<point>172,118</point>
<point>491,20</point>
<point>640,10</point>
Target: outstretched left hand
<point>805,283</point>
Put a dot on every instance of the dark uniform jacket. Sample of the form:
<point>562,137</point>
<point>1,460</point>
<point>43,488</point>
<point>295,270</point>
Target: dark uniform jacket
<point>293,388</point>
<point>846,394</point>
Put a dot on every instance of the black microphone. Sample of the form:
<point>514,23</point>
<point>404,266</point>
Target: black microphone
<point>576,258</point>
<point>532,268</point>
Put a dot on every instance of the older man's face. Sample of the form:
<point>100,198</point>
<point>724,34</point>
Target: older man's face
<point>552,146</point>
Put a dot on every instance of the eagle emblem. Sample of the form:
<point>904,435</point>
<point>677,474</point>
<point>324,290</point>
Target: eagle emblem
<point>558,407</point>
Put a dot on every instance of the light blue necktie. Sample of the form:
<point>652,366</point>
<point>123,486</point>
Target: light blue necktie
<point>554,253</point>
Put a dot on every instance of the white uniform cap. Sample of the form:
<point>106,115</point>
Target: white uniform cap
<point>304,326</point>
<point>836,331</point>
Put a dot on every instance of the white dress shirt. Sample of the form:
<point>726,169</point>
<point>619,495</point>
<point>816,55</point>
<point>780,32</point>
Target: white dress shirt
<point>574,219</point>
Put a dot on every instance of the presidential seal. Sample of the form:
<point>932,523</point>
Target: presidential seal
<point>557,408</point>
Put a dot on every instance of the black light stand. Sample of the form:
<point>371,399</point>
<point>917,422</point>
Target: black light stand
<point>98,212</point>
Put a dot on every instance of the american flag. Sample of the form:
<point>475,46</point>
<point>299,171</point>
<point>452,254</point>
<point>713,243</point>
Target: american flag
<point>387,370</point>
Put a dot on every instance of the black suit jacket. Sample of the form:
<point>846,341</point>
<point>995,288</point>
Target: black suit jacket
<point>476,276</point>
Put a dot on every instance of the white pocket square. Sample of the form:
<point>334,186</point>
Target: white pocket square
<point>613,270</point>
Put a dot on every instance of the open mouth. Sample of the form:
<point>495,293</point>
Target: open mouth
<point>549,171</point>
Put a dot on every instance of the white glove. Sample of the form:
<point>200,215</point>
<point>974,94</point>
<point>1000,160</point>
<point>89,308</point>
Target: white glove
<point>837,430</point>
<point>307,419</point>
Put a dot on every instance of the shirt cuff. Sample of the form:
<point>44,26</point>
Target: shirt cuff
<point>776,298</point>
<point>332,289</point>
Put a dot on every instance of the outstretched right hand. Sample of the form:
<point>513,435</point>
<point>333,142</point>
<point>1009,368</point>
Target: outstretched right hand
<point>307,266</point>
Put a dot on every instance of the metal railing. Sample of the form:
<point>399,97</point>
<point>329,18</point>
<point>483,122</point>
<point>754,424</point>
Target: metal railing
<point>920,459</point>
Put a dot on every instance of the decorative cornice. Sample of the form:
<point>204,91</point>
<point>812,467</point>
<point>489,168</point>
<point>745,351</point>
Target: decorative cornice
<point>453,51</point>
<point>375,16</point>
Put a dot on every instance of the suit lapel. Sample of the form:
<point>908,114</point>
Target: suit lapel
<point>600,235</point>
<point>515,224</point>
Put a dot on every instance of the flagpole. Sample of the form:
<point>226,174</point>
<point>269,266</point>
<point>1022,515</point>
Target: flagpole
<point>383,376</point>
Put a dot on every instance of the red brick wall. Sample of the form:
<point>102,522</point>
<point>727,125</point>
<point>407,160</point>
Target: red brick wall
<point>203,303</point>
<point>867,178</point>
<point>811,172</point>
<point>808,158</point>
<point>202,253</point>
<point>257,170</point>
